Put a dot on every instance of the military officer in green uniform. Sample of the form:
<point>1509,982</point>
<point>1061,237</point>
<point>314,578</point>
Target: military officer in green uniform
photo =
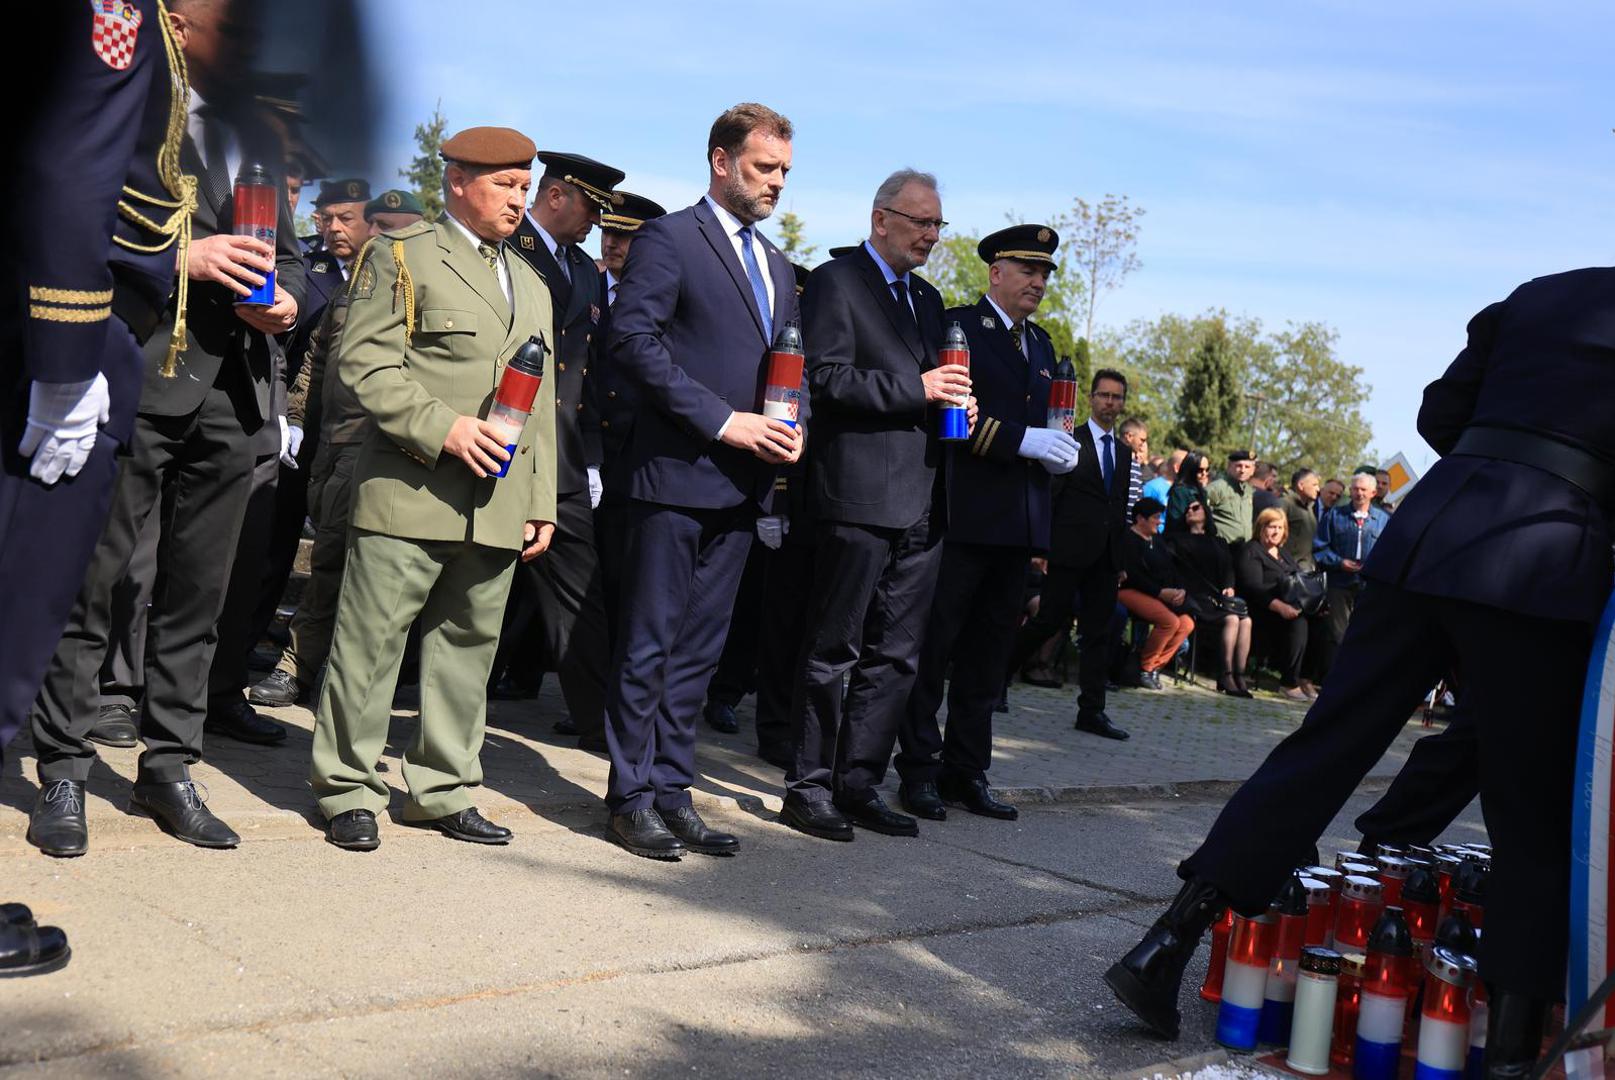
<point>434,313</point>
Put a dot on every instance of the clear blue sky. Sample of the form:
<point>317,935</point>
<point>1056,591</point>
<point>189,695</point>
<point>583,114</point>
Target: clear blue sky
<point>1386,168</point>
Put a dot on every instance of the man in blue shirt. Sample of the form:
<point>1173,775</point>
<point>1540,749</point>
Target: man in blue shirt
<point>1159,487</point>
<point>1346,534</point>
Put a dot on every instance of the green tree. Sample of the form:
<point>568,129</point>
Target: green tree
<point>961,277</point>
<point>425,172</point>
<point>793,239</point>
<point>1209,403</point>
<point>1100,244</point>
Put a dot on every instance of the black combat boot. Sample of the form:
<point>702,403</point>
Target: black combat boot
<point>1514,1026</point>
<point>1147,978</point>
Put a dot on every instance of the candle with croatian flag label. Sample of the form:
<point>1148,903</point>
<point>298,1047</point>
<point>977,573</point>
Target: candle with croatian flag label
<point>955,416</point>
<point>513,401</point>
<point>1382,1004</point>
<point>1211,987</point>
<point>782,389</point>
<point>1444,1023</point>
<point>1244,980</point>
<point>256,211</point>
<point>1062,414</point>
<point>1278,998</point>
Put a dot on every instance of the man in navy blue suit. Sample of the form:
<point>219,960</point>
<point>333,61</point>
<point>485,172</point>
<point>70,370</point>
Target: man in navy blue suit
<point>1498,563</point>
<point>998,518</point>
<point>702,295</point>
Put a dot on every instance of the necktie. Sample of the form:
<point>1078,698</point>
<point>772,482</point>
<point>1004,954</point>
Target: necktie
<point>900,290</point>
<point>1015,332</point>
<point>563,258</point>
<point>1107,461</point>
<point>490,255</point>
<point>758,290</point>
<point>216,170</point>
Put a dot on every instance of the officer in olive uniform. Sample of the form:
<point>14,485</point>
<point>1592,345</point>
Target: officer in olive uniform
<point>614,400</point>
<point>434,313</point>
<point>556,611</point>
<point>998,518</point>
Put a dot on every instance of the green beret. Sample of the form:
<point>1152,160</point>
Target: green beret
<point>396,201</point>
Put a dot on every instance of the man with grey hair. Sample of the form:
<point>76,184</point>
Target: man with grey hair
<point>872,329</point>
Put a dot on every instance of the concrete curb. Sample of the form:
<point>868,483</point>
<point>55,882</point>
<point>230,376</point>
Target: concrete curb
<point>1174,1067</point>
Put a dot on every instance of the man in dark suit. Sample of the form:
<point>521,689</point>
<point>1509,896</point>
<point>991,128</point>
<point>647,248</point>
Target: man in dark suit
<point>191,454</point>
<point>1498,563</point>
<point>77,212</point>
<point>1090,515</point>
<point>556,615</point>
<point>871,329</point>
<point>614,402</point>
<point>702,295</point>
<point>998,518</point>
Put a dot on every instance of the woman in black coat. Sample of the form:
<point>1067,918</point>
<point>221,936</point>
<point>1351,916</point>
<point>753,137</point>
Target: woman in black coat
<point>1188,487</point>
<point>1281,629</point>
<point>1207,570</point>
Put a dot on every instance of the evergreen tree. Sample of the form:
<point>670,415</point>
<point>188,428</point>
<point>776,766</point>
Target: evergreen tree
<point>793,239</point>
<point>425,172</point>
<point>1210,402</point>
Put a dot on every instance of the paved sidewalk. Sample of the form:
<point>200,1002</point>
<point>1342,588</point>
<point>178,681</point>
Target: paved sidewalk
<point>1181,736</point>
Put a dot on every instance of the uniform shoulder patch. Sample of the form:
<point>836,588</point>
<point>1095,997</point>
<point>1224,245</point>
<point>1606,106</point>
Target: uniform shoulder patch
<point>114,29</point>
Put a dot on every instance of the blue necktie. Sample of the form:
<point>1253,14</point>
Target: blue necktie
<point>758,289</point>
<point>1107,461</point>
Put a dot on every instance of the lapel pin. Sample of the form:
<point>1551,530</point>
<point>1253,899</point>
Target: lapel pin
<point>527,242</point>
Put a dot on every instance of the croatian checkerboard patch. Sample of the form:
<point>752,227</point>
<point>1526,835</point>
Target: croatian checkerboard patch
<point>113,30</point>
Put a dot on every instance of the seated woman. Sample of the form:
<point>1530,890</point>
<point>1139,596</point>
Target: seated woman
<point>1281,631</point>
<point>1207,571</point>
<point>1149,591</point>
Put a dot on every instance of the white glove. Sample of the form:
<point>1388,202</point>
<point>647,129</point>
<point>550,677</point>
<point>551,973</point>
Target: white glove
<point>291,441</point>
<point>597,487</point>
<point>771,531</point>
<point>62,421</point>
<point>1053,449</point>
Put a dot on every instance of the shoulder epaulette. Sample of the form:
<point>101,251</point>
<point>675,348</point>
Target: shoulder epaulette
<point>411,231</point>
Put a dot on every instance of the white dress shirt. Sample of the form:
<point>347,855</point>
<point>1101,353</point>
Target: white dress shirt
<point>499,261</point>
<point>553,245</point>
<point>612,282</point>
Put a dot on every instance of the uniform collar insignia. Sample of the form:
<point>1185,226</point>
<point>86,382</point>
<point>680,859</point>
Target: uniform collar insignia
<point>989,322</point>
<point>320,267</point>
<point>527,242</point>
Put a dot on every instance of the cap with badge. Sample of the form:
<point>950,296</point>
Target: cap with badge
<point>396,201</point>
<point>589,176</point>
<point>1025,243</point>
<point>342,191</point>
<point>630,213</point>
<point>1240,455</point>
<point>491,146</point>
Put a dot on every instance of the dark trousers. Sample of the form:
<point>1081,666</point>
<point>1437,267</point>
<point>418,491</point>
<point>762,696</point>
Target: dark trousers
<point>47,537</point>
<point>1283,641</point>
<point>280,549</point>
<point>123,671</point>
<point>1523,677</point>
<point>238,631</point>
<point>682,568</point>
<point>611,551</point>
<point>1342,602</point>
<point>779,644</point>
<point>974,615</point>
<point>556,617</point>
<point>736,675</point>
<point>195,470</point>
<point>866,616</point>
<point>1439,779</point>
<point>1095,583</point>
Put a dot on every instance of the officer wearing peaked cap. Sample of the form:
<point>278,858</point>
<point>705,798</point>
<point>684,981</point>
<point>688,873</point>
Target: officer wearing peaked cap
<point>613,397</point>
<point>557,614</point>
<point>998,517</point>
<point>434,313</point>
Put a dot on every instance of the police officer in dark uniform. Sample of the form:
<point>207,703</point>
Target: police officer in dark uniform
<point>998,518</point>
<point>1498,562</point>
<point>91,229</point>
<point>614,399</point>
<point>556,608</point>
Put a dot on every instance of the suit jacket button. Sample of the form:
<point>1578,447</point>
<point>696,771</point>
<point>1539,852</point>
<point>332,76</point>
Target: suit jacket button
<point>611,393</point>
<point>560,367</point>
<point>605,423</point>
<point>580,406</point>
<point>587,338</point>
<point>524,449</point>
<point>448,324</point>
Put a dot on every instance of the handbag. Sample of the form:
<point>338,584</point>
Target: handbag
<point>1305,590</point>
<point>1209,607</point>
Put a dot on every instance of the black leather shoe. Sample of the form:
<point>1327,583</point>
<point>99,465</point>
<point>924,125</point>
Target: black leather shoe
<point>1227,684</point>
<point>16,915</point>
<point>26,949</point>
<point>644,833</point>
<point>354,830</point>
<point>1099,724</point>
<point>470,826</point>
<point>721,717</point>
<point>821,819</point>
<point>1514,1025</point>
<point>277,689</point>
<point>565,726</point>
<point>779,755</point>
<point>115,726</point>
<point>180,812</point>
<point>57,825</point>
<point>235,719</point>
<point>873,814</point>
<point>1147,979</point>
<point>693,833</point>
<point>921,800</point>
<point>976,797</point>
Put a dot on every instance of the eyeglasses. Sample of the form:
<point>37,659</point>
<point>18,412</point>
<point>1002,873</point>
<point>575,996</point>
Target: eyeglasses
<point>1193,507</point>
<point>924,223</point>
<point>1203,470</point>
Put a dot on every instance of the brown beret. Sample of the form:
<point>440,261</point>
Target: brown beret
<point>490,146</point>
